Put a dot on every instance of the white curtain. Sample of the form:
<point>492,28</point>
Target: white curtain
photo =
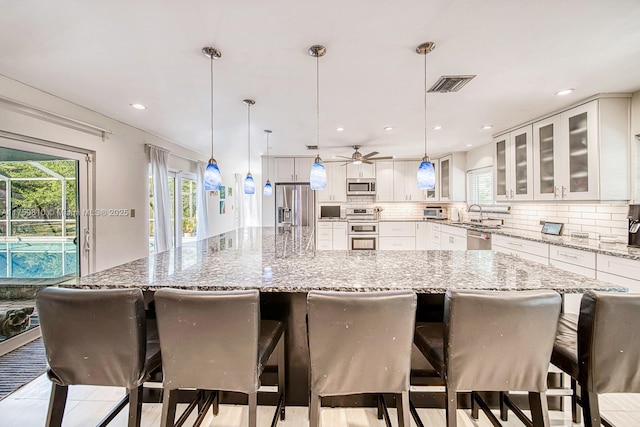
<point>202,205</point>
<point>247,205</point>
<point>161,200</point>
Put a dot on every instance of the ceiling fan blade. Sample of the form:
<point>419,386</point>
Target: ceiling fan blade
<point>343,157</point>
<point>345,164</point>
<point>369,162</point>
<point>381,158</point>
<point>371,154</point>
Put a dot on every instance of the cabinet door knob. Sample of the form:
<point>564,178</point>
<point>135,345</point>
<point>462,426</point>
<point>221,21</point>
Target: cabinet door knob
<point>555,192</point>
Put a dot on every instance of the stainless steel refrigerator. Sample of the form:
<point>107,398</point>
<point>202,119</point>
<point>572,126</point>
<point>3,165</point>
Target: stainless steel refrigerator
<point>295,217</point>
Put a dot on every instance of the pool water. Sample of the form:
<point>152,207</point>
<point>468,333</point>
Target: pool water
<point>37,259</point>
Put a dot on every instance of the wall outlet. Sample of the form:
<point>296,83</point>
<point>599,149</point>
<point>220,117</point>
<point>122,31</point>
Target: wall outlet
<point>542,222</point>
<point>133,213</point>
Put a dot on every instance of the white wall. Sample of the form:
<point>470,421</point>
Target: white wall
<point>635,147</point>
<point>480,157</point>
<point>121,169</point>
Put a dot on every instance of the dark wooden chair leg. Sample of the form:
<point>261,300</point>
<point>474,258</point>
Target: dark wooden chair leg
<point>539,409</point>
<point>57,403</point>
<point>504,409</point>
<point>380,408</point>
<point>135,406</point>
<point>575,409</point>
<point>474,406</point>
<point>169,402</point>
<point>452,408</point>
<point>590,408</point>
<point>402,406</point>
<point>215,407</point>
<point>253,409</point>
<point>314,410</point>
<point>282,381</point>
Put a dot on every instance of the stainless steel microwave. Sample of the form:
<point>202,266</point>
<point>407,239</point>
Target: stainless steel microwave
<point>361,187</point>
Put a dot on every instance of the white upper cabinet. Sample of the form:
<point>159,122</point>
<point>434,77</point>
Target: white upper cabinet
<point>405,183</point>
<point>363,170</point>
<point>336,190</point>
<point>582,153</point>
<point>513,165</point>
<point>384,181</point>
<point>452,177</point>
<point>292,169</point>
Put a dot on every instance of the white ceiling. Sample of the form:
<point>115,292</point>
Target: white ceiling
<point>107,55</point>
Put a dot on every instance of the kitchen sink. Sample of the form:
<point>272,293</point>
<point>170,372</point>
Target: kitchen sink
<point>480,226</point>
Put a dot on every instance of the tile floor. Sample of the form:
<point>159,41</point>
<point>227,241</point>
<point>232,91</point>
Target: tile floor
<point>27,407</point>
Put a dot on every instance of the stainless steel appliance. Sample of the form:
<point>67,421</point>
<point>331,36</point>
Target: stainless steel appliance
<point>362,229</point>
<point>361,187</point>
<point>478,240</point>
<point>634,225</point>
<point>295,206</point>
<point>329,211</point>
<point>435,212</point>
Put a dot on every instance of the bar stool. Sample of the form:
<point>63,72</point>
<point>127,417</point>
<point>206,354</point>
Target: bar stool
<point>601,351</point>
<point>360,343</point>
<point>493,341</point>
<point>96,337</point>
<point>216,341</point>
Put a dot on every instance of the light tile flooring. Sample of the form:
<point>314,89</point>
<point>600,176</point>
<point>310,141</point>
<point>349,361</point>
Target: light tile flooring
<point>86,406</point>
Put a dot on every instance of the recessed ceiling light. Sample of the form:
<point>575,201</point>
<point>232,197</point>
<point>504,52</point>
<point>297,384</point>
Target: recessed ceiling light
<point>339,129</point>
<point>138,106</point>
<point>388,128</point>
<point>564,92</point>
<point>485,127</point>
<point>469,145</point>
<point>437,127</point>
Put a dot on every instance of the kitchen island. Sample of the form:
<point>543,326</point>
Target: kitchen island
<point>284,267</point>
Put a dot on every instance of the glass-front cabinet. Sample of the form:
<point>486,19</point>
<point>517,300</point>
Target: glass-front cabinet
<point>445,178</point>
<point>513,171</point>
<point>566,155</point>
<point>432,195</point>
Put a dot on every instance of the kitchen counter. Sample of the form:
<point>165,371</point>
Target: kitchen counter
<point>613,249</point>
<point>258,258</point>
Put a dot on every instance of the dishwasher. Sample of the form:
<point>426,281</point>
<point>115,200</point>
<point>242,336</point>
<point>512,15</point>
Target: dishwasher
<point>478,240</point>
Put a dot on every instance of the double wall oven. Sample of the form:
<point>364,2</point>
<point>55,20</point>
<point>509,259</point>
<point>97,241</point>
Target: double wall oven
<point>362,229</point>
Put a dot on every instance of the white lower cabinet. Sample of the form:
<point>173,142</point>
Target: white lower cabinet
<point>573,260</point>
<point>331,236</point>
<point>422,235</point>
<point>435,237</point>
<point>619,271</point>
<point>525,249</point>
<point>453,238</point>
<point>397,236</point>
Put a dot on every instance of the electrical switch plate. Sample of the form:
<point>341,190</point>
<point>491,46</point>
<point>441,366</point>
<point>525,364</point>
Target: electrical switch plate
<point>133,213</point>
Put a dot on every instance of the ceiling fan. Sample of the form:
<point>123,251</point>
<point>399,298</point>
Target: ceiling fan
<point>357,158</point>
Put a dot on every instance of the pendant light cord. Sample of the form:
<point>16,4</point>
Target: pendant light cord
<point>249,136</point>
<point>267,155</point>
<point>318,103</point>
<point>425,105</point>
<point>211,109</point>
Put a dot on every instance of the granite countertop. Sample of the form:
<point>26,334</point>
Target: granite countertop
<point>591,245</point>
<point>262,259</point>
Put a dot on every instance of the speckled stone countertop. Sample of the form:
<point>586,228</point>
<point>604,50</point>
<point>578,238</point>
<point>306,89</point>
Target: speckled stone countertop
<point>591,245</point>
<point>261,259</point>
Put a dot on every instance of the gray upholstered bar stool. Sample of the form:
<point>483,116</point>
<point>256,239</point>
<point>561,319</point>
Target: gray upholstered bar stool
<point>360,342</point>
<point>601,350</point>
<point>493,341</point>
<point>96,337</point>
<point>216,341</point>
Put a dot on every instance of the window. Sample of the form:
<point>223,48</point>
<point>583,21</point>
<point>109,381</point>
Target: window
<point>480,186</point>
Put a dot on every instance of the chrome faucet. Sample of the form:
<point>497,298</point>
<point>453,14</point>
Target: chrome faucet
<point>479,208</point>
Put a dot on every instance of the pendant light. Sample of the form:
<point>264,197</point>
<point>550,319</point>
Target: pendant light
<point>249,184</point>
<point>268,189</point>
<point>212,176</point>
<point>318,176</point>
<point>426,171</point>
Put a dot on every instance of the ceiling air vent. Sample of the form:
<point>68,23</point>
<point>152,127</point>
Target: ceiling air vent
<point>450,84</point>
<point>312,147</point>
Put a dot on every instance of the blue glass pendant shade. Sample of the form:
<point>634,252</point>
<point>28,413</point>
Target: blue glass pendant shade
<point>318,176</point>
<point>268,189</point>
<point>212,176</point>
<point>249,185</point>
<point>426,175</point>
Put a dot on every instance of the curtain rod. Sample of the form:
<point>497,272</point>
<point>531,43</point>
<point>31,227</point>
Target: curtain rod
<point>64,119</point>
<point>174,154</point>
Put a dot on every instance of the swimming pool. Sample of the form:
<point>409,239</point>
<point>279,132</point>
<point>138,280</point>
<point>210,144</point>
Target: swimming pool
<point>26,258</point>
